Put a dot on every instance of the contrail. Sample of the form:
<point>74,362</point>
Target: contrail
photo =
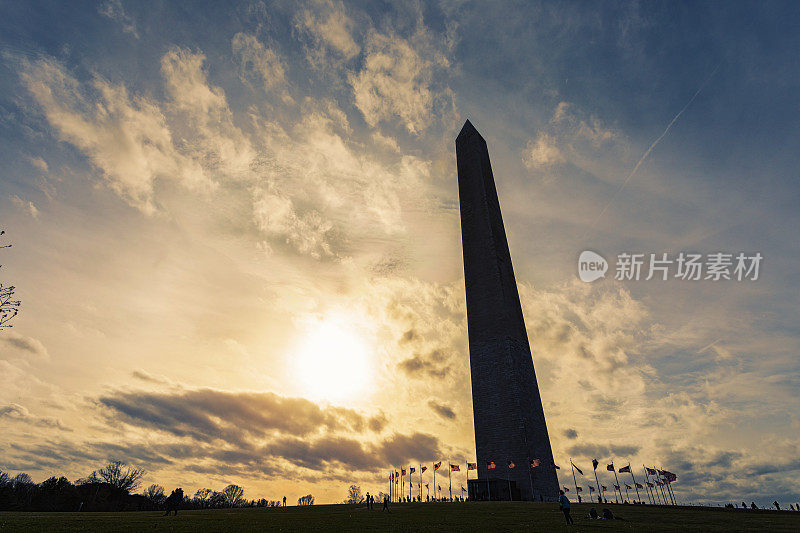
<point>658,140</point>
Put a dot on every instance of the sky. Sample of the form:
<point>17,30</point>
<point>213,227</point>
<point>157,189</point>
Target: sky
<point>236,237</point>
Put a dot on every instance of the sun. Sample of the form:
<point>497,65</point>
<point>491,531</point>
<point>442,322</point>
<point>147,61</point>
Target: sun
<point>333,362</point>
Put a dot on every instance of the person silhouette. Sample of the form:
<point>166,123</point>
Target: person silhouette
<point>563,504</point>
<point>777,505</point>
<point>753,505</point>
<point>385,504</point>
<point>744,505</point>
<point>284,501</point>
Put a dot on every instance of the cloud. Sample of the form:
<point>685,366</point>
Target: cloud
<point>396,82</point>
<point>26,205</point>
<point>570,433</point>
<point>330,29</point>
<point>25,344</point>
<point>542,153</point>
<point>113,9</point>
<point>124,136</point>
<point>441,409</point>
<point>233,417</point>
<point>19,413</point>
<point>256,60</point>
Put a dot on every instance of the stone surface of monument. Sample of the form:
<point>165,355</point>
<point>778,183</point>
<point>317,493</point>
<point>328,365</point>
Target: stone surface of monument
<point>508,412</point>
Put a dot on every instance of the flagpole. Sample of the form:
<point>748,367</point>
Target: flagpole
<point>420,482</point>
<point>488,488</point>
<point>630,471</point>
<point>617,478</point>
<point>647,487</point>
<point>434,480</point>
<point>450,478</point>
<point>530,477</point>
<point>577,496</point>
<point>594,464</point>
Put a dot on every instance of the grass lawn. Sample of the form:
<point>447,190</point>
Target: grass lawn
<point>478,516</point>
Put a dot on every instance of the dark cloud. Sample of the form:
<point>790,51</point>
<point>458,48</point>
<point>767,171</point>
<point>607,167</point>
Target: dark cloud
<point>441,409</point>
<point>18,412</point>
<point>433,364</point>
<point>233,417</point>
<point>26,344</point>
<point>570,433</point>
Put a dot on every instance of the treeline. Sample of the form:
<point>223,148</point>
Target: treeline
<point>111,488</point>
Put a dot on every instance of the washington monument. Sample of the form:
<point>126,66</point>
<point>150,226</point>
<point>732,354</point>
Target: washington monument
<point>509,418</point>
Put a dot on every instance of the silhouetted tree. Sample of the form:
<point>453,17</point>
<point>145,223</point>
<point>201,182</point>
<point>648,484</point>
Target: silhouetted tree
<point>119,475</point>
<point>201,498</point>
<point>8,306</point>
<point>308,499</point>
<point>155,493</point>
<point>233,495</point>
<point>354,494</point>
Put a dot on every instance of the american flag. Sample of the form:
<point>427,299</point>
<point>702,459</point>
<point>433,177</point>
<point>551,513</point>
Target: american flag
<point>437,465</point>
<point>426,485</point>
<point>472,466</point>
<point>639,486</point>
<point>604,487</point>
<point>402,471</point>
<point>413,470</point>
<point>651,471</point>
<point>616,487</point>
<point>566,489</point>
<point>591,489</point>
<point>628,486</point>
<point>650,484</point>
<point>625,469</point>
<point>511,464</point>
<point>580,489</point>
<point>424,468</point>
<point>535,463</point>
<point>455,468</point>
<point>490,465</point>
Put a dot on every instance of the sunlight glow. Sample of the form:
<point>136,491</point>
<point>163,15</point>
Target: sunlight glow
<point>333,363</point>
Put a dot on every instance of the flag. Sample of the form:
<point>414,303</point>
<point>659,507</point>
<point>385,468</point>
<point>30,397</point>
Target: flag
<point>490,465</point>
<point>557,467</point>
<point>651,471</point>
<point>625,469</point>
<point>670,476</point>
<point>424,468</point>
<point>649,484</point>
<point>639,486</point>
<point>628,487</point>
<point>580,489</point>
<point>402,471</point>
<point>412,470</point>
<point>659,484</point>
<point>604,487</point>
<point>472,466</point>
<point>610,467</point>
<point>396,480</point>
<point>455,468</point>
<point>616,487</point>
<point>595,462</point>
<point>391,476</point>
<point>426,486</point>
<point>463,489</point>
<point>511,464</point>
<point>535,463</point>
<point>396,473</point>
<point>440,487</point>
<point>576,468</point>
<point>566,489</point>
<point>591,489</point>
<point>437,465</point>
<point>411,484</point>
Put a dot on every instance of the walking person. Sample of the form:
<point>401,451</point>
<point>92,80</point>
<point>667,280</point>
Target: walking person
<point>563,504</point>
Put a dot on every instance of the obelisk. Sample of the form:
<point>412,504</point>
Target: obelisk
<point>508,413</point>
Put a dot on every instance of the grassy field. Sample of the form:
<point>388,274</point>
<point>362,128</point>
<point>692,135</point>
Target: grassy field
<point>479,516</point>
